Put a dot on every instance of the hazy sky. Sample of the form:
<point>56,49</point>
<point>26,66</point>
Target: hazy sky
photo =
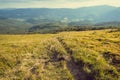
<point>55,3</point>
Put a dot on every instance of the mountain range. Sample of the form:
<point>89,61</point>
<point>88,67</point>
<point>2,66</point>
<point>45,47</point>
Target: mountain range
<point>20,20</point>
<point>101,13</point>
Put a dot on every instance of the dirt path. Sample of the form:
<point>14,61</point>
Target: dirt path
<point>75,69</point>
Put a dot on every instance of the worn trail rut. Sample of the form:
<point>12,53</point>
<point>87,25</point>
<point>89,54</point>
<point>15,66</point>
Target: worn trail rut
<point>74,68</point>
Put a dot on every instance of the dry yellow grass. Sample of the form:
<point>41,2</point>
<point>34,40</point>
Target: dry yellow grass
<point>48,56</point>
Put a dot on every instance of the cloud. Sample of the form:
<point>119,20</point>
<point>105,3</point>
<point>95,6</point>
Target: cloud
<point>17,1</point>
<point>55,3</point>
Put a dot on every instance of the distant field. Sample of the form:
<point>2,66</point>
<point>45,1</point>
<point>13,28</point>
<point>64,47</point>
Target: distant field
<point>85,55</point>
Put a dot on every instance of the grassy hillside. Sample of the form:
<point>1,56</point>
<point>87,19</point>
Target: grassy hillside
<point>13,26</point>
<point>86,55</point>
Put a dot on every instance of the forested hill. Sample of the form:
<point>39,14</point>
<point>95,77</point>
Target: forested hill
<point>95,13</point>
<point>52,20</point>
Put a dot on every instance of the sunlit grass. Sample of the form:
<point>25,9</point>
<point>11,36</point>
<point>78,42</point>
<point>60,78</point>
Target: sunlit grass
<point>45,56</point>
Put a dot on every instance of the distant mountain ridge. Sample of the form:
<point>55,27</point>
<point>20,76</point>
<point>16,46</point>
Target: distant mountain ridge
<point>52,20</point>
<point>101,13</point>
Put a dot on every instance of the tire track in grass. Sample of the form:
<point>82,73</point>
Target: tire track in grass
<point>74,68</point>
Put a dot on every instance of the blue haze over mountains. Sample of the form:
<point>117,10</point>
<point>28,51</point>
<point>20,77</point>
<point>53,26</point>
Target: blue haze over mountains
<point>101,13</point>
<point>47,20</point>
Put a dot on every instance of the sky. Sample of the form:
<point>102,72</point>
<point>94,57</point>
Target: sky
<point>56,3</point>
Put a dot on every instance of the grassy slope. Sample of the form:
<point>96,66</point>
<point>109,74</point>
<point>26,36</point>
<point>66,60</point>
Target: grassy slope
<point>63,56</point>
